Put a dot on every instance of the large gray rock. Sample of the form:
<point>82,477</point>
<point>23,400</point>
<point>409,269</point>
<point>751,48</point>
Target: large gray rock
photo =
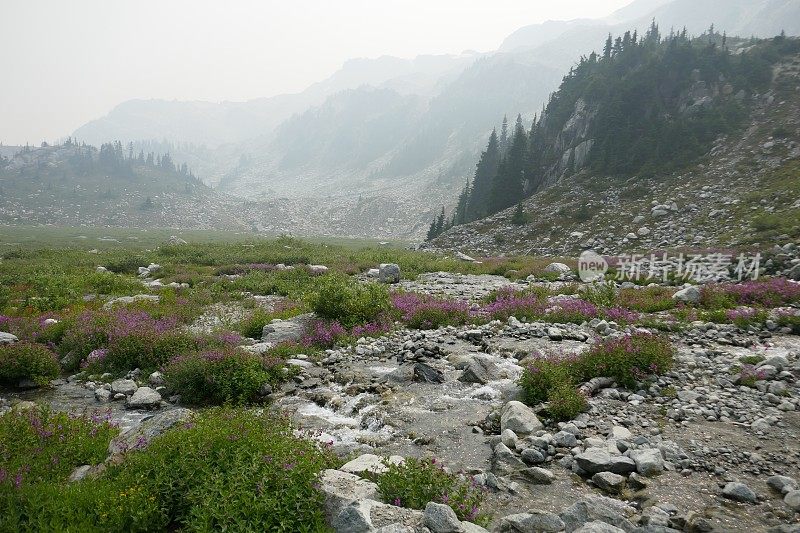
<point>389,273</point>
<point>782,484</point>
<point>440,518</point>
<point>597,526</point>
<point>739,492</point>
<point>125,300</point>
<point>291,330</point>
<point>144,398</point>
<point>341,489</point>
<point>505,461</point>
<point>355,518</point>
<point>609,482</point>
<point>519,418</point>
<point>596,508</point>
<point>534,521</point>
<point>595,460</point>
<point>479,370</point>
<point>123,386</point>
<point>559,268</point>
<point>371,463</point>
<point>689,295</point>
<point>7,338</point>
<point>149,429</point>
<point>792,499</point>
<point>649,462</point>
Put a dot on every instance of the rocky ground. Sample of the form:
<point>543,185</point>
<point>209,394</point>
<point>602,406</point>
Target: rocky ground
<point>688,451</point>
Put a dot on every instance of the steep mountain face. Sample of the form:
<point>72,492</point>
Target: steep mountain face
<point>742,188</point>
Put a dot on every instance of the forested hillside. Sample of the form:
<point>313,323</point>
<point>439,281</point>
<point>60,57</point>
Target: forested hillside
<point>646,105</point>
<point>78,184</point>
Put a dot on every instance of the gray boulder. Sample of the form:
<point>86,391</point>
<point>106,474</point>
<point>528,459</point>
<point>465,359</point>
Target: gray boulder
<point>389,273</point>
<point>519,418</point>
<point>559,268</point>
<point>739,492</point>
<point>148,430</point>
<point>479,370</point>
<point>341,489</point>
<point>7,338</point>
<point>355,518</point>
<point>534,521</point>
<point>123,386</point>
<point>782,484</point>
<point>144,398</point>
<point>792,499</point>
<point>597,526</point>
<point>291,330</point>
<point>690,294</point>
<point>440,518</point>
<point>649,462</point>
<point>596,508</point>
<point>609,482</point>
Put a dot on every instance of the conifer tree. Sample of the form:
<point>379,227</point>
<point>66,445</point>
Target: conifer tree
<point>485,173</point>
<point>507,187</point>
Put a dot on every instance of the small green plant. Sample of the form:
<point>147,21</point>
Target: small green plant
<point>350,303</point>
<point>26,360</point>
<point>565,402</point>
<point>751,359</point>
<point>520,217</point>
<point>415,482</point>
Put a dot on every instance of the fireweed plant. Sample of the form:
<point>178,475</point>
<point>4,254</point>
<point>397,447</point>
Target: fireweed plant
<point>415,482</point>
<point>628,360</point>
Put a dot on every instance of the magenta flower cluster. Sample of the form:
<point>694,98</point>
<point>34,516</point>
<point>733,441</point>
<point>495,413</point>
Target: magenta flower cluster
<point>410,304</point>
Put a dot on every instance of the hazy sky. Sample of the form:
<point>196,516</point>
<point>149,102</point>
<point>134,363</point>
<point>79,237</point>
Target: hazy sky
<point>64,63</point>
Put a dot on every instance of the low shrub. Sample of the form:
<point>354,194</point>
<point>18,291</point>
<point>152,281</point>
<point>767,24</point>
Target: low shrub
<point>420,311</point>
<point>218,377</point>
<point>39,445</point>
<point>226,470</point>
<point>521,305</point>
<point>772,292</point>
<point>628,359</point>
<point>647,299</point>
<point>570,310</point>
<point>26,360</point>
<point>350,303</point>
<point>145,350</point>
<point>789,320</point>
<point>600,294</point>
<point>415,482</point>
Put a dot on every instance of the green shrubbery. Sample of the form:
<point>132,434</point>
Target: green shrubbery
<point>627,360</point>
<point>26,360</point>
<point>415,482</point>
<point>348,302</point>
<point>37,445</point>
<point>227,470</point>
<point>224,376</point>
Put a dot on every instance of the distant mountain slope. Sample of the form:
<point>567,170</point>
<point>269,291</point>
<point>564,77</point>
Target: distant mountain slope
<point>79,185</point>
